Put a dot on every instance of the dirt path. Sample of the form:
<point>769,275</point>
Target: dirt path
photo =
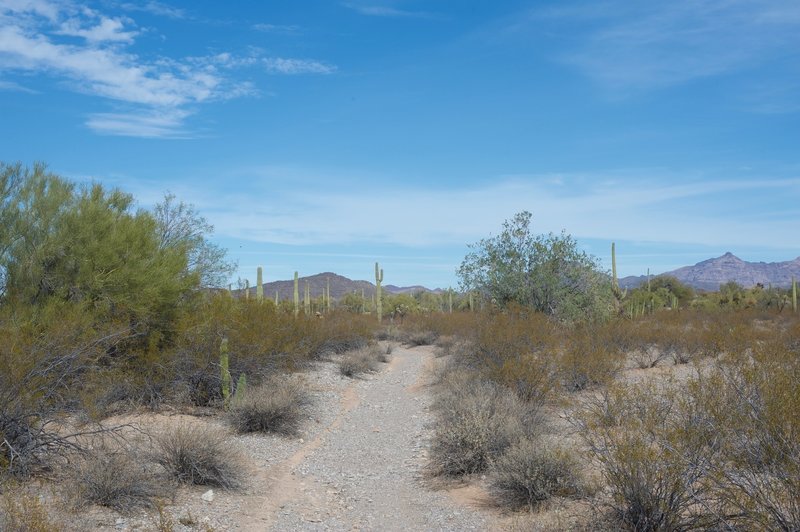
<point>365,469</point>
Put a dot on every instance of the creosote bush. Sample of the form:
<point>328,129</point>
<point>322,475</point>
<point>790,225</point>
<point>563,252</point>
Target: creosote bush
<point>532,471</point>
<point>198,454</point>
<point>477,421</point>
<point>277,405</point>
<point>22,512</point>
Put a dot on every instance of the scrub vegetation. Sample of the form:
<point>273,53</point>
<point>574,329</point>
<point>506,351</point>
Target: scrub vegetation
<point>664,408</point>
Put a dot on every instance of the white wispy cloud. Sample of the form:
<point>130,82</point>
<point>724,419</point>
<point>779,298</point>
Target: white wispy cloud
<point>634,46</point>
<point>590,206</point>
<point>280,65</point>
<point>159,93</point>
<point>14,86</point>
<point>282,29</point>
<point>384,10</point>
<point>155,8</point>
<point>105,30</point>
<point>141,124</point>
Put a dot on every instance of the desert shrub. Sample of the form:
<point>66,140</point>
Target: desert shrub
<point>754,404</point>
<point>21,512</point>
<point>476,422</point>
<point>417,337</point>
<point>656,448</point>
<point>587,359</point>
<point>45,356</point>
<point>117,479</point>
<point>384,354</point>
<point>277,405</point>
<point>198,454</point>
<point>364,360</point>
<point>532,471</point>
<point>263,341</point>
<point>340,332</point>
<point>515,351</point>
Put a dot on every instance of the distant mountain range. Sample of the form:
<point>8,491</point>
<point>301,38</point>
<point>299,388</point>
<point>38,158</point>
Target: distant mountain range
<point>710,274</point>
<point>339,284</point>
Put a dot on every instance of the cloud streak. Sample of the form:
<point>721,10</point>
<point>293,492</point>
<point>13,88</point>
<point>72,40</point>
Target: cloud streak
<point>380,10</point>
<point>159,94</point>
<point>640,46</point>
<point>596,206</point>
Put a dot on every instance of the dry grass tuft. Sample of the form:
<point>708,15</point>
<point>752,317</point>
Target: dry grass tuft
<point>360,361</point>
<point>118,479</point>
<point>198,454</point>
<point>277,405</point>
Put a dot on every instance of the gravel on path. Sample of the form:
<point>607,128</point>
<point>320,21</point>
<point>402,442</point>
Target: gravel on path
<point>367,471</point>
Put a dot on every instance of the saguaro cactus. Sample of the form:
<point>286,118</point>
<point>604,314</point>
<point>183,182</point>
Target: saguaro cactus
<point>247,289</point>
<point>307,300</point>
<point>619,294</point>
<point>450,300</point>
<point>328,294</point>
<point>296,296</point>
<point>224,372</point>
<point>378,281</point>
<point>794,295</point>
<point>276,298</point>
<point>260,285</point>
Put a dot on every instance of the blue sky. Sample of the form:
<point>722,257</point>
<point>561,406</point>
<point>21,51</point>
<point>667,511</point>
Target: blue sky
<point>325,135</point>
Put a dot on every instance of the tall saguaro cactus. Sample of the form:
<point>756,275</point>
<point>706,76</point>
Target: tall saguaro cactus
<point>260,285</point>
<point>378,281</point>
<point>615,283</point>
<point>225,374</point>
<point>327,294</point>
<point>794,295</point>
<point>307,300</point>
<point>619,294</point>
<point>296,296</point>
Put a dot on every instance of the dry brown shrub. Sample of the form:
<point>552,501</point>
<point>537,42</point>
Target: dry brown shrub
<point>656,448</point>
<point>360,361</point>
<point>199,454</point>
<point>534,470</point>
<point>23,512</point>
<point>476,422</point>
<point>278,405</point>
<point>120,479</point>
<point>754,402</point>
<point>588,359</point>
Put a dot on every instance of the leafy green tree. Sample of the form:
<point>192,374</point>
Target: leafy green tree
<point>672,287</point>
<point>179,225</point>
<point>545,272</point>
<point>87,245</point>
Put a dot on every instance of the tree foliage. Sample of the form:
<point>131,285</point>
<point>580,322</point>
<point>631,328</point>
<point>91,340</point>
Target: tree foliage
<point>545,272</point>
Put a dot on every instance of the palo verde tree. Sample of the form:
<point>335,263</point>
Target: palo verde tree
<point>545,272</point>
<point>88,245</point>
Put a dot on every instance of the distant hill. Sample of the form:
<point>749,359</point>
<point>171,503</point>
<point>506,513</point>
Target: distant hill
<point>410,289</point>
<point>709,274</point>
<point>340,285</point>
